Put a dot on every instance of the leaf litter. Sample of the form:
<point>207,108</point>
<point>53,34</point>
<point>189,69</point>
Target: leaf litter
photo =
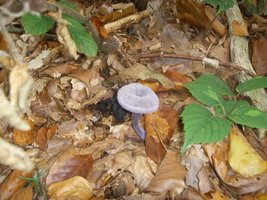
<point>82,141</point>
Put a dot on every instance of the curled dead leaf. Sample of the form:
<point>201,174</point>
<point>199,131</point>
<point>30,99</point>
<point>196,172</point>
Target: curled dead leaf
<point>13,183</point>
<point>243,158</point>
<point>71,163</point>
<point>76,187</point>
<point>170,174</point>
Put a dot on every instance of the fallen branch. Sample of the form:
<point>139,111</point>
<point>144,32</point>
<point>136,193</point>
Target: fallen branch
<point>240,56</point>
<point>212,62</point>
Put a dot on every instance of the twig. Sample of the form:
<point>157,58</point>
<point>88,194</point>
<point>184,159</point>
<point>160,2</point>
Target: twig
<point>194,58</point>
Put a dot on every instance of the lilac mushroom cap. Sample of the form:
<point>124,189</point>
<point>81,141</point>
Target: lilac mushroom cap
<point>138,98</point>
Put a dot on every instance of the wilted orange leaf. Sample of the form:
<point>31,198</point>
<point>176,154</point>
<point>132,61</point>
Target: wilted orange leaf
<point>44,134</point>
<point>178,78</point>
<point>24,138</point>
<point>3,44</point>
<point>70,163</point>
<point>170,174</point>
<point>239,29</point>
<point>160,124</point>
<point>24,193</point>
<point>243,158</point>
<point>13,183</point>
<point>74,188</point>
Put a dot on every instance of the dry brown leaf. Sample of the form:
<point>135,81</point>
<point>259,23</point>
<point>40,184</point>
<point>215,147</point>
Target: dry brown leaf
<point>198,15</point>
<point>70,163</point>
<point>154,126</point>
<point>170,174</point>
<point>239,29</point>
<point>57,70</point>
<point>243,158</point>
<point>139,71</point>
<point>23,138</point>
<point>44,134</point>
<point>159,124</point>
<point>141,168</point>
<point>13,183</point>
<point>254,197</point>
<point>178,78</point>
<point>3,44</point>
<point>259,58</point>
<point>74,188</point>
<point>24,193</point>
<point>64,38</point>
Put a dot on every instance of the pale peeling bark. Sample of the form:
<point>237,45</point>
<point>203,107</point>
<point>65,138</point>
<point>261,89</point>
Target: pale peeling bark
<point>240,56</point>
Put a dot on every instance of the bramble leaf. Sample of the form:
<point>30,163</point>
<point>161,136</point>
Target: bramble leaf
<point>209,89</point>
<point>201,126</point>
<point>245,114</point>
<point>252,84</point>
<point>36,25</point>
<point>85,43</point>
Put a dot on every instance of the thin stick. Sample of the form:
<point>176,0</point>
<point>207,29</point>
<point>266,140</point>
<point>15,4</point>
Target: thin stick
<point>194,58</point>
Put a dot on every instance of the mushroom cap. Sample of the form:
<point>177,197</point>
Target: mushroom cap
<point>138,98</point>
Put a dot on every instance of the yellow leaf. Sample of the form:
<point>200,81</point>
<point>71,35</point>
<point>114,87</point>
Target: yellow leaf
<point>243,158</point>
<point>75,187</point>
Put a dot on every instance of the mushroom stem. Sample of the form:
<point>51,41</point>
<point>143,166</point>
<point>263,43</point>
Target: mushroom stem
<point>136,125</point>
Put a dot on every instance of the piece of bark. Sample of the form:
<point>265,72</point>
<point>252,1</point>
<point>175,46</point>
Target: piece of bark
<point>240,56</point>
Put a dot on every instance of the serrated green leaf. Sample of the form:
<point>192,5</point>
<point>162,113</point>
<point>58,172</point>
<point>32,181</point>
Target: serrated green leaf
<point>36,25</point>
<point>201,126</point>
<point>68,5</point>
<point>252,84</point>
<point>245,114</point>
<point>84,42</point>
<point>221,5</point>
<point>227,106</point>
<point>209,89</point>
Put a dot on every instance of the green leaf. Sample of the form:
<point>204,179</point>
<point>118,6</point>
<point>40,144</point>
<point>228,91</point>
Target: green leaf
<point>221,5</point>
<point>227,106</point>
<point>209,89</point>
<point>245,114</point>
<point>36,25</point>
<point>85,43</point>
<point>252,84</point>
<point>201,126</point>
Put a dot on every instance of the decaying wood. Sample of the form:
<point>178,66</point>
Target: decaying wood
<point>113,26</point>
<point>240,56</point>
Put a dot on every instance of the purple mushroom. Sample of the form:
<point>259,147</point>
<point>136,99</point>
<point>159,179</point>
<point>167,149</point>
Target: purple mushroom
<point>139,100</point>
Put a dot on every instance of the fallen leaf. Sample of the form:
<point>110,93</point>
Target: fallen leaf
<point>70,163</point>
<point>233,182</point>
<point>139,71</point>
<point>178,78</point>
<point>23,138</point>
<point>160,124</point>
<point>3,44</point>
<point>13,183</point>
<point>169,174</point>
<point>243,158</point>
<point>24,193</point>
<point>64,38</point>
<point>239,29</point>
<point>73,188</point>
<point>44,134</point>
<point>259,59</point>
